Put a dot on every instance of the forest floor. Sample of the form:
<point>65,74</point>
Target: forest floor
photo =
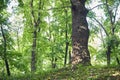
<point>79,73</point>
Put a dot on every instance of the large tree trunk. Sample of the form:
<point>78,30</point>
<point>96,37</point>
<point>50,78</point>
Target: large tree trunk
<point>80,33</point>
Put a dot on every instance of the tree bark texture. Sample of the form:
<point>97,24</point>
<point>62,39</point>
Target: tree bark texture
<point>80,33</point>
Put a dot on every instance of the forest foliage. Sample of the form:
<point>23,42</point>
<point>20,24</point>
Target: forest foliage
<point>36,36</point>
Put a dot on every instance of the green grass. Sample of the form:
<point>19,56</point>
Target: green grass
<point>79,73</point>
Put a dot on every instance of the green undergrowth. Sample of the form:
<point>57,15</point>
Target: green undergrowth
<point>87,73</point>
<point>79,73</point>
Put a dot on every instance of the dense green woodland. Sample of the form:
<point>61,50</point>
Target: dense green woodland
<point>59,39</point>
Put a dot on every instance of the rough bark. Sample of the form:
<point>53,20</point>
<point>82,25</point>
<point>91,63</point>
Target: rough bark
<point>80,33</point>
<point>5,47</point>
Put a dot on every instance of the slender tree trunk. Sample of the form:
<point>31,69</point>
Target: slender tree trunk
<point>53,60</point>
<point>108,55</point>
<point>117,59</point>
<point>5,47</point>
<point>66,37</point>
<point>33,52</point>
<point>80,33</point>
<point>66,52</point>
<point>36,23</point>
<point>112,33</point>
<point>33,56</point>
<point>7,67</point>
<point>69,57</point>
<point>18,41</point>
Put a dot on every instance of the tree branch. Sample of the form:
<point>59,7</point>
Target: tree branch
<point>60,7</point>
<point>38,20</point>
<point>32,12</point>
<point>109,12</point>
<point>116,12</point>
<point>96,6</point>
<point>101,26</point>
<point>71,6</point>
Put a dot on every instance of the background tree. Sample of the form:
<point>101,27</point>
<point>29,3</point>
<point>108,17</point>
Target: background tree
<point>107,30</point>
<point>4,33</point>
